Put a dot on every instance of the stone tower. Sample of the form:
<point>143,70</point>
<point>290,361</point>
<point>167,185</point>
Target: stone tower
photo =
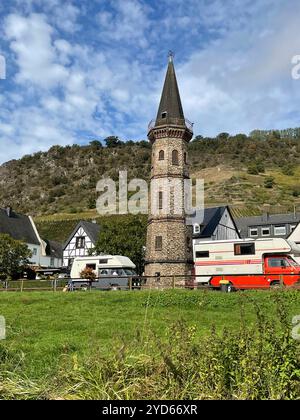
<point>169,243</point>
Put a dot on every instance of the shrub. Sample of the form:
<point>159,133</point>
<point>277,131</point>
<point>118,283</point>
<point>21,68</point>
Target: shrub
<point>269,182</point>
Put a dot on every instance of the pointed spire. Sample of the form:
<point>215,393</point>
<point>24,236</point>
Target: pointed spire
<point>170,108</point>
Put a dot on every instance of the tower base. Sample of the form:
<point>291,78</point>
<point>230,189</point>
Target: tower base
<point>167,275</point>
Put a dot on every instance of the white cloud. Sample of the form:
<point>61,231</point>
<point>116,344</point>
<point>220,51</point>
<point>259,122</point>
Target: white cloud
<point>31,41</point>
<point>233,63</point>
<point>127,23</point>
<point>243,80</point>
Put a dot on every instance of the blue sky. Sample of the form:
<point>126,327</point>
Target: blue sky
<point>82,70</point>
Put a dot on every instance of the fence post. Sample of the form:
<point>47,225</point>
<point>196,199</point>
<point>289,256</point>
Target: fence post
<point>174,282</point>
<point>54,285</point>
<point>281,281</point>
<point>22,285</point>
<point>130,283</point>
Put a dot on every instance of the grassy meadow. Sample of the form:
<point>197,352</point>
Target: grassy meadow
<point>149,344</point>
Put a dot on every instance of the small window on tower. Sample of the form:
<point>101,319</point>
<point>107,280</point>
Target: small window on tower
<point>161,155</point>
<point>164,115</point>
<point>185,158</point>
<point>158,243</point>
<point>160,200</point>
<point>175,159</point>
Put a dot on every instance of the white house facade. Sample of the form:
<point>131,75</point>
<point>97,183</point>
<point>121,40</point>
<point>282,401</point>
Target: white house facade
<point>215,224</point>
<point>81,241</point>
<point>21,227</point>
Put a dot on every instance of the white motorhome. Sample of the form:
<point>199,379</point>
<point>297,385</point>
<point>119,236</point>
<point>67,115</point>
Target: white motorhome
<point>247,263</point>
<point>111,271</point>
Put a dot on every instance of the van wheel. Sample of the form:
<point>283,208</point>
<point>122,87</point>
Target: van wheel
<point>275,285</point>
<point>227,288</point>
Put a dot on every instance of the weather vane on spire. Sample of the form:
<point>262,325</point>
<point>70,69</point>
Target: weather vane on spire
<point>171,55</point>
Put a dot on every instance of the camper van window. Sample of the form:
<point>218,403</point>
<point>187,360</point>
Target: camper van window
<point>277,262</point>
<point>292,262</point>
<point>103,261</point>
<point>91,266</point>
<point>103,273</point>
<point>129,272</point>
<point>202,254</point>
<point>244,249</point>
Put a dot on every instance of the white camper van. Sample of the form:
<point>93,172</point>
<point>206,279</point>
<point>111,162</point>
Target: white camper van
<point>246,263</point>
<point>112,272</point>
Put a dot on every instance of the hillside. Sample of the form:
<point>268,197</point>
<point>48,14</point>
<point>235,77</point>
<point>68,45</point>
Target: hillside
<point>246,172</point>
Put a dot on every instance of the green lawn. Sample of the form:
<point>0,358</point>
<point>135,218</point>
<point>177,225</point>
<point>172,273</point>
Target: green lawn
<point>45,327</point>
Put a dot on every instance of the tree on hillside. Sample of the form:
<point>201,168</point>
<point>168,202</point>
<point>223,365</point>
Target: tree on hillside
<point>113,141</point>
<point>124,236</point>
<point>223,136</point>
<point>96,144</point>
<point>14,256</point>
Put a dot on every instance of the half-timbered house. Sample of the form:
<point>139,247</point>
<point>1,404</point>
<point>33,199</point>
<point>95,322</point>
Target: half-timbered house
<point>81,241</point>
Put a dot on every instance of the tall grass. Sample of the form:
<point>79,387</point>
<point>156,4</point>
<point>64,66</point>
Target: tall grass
<point>257,361</point>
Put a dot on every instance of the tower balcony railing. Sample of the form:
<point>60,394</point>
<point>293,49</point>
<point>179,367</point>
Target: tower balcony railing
<point>171,121</point>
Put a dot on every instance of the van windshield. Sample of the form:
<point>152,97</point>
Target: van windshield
<point>292,262</point>
<point>129,272</point>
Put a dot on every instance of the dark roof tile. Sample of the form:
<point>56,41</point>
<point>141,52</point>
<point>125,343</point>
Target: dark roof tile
<point>18,226</point>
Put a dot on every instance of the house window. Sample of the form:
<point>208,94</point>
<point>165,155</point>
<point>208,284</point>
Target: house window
<point>34,251</point>
<point>80,242</point>
<point>160,200</point>
<point>51,262</point>
<point>244,249</point>
<point>158,243</point>
<point>266,231</point>
<point>202,254</point>
<point>70,262</point>
<point>175,159</point>
<point>253,232</point>
<point>164,115</point>
<point>279,230</point>
<point>161,155</point>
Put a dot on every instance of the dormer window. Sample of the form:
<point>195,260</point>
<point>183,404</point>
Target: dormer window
<point>164,115</point>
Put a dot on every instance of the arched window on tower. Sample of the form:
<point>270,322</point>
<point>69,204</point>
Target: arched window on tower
<point>175,159</point>
<point>161,155</point>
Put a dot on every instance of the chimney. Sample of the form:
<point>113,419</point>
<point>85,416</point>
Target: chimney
<point>8,211</point>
